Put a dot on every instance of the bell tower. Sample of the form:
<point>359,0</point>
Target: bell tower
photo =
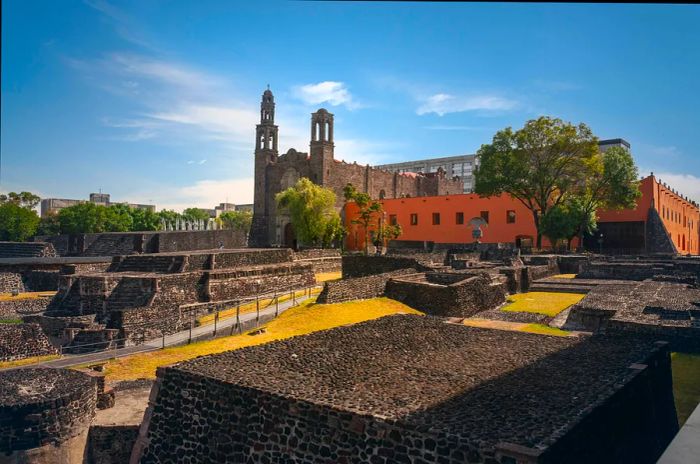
<point>321,152</point>
<point>266,137</point>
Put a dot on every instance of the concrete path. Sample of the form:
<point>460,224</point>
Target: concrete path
<point>178,338</point>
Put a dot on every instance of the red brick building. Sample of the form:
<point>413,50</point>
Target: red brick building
<point>663,221</point>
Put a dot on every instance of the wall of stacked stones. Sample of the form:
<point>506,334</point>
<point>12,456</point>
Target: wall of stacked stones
<point>358,288</point>
<point>54,326</point>
<point>196,419</point>
<point>236,284</point>
<point>11,281</point>
<point>110,444</point>
<point>462,299</point>
<point>253,258</point>
<point>685,339</point>
<point>314,253</point>
<point>634,424</point>
<point>361,265</point>
<point>26,250</point>
<point>15,309</point>
<point>19,341</point>
<point>66,405</point>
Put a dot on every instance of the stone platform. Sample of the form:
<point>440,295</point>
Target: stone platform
<point>415,389</point>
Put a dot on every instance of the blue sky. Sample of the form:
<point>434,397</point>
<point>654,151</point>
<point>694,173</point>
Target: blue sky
<point>156,101</point>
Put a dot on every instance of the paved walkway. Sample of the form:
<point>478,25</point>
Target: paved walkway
<point>178,338</point>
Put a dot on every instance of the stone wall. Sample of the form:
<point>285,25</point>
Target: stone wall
<point>314,253</point>
<point>125,243</point>
<point>43,408</point>
<point>11,282</point>
<point>19,341</point>
<point>19,307</point>
<point>358,288</point>
<point>495,397</point>
<point>447,295</point>
<point>110,444</point>
<point>26,250</point>
<point>361,265</point>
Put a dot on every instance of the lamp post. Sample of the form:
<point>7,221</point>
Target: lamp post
<point>600,244</point>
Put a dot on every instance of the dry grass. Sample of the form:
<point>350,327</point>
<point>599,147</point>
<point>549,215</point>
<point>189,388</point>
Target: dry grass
<point>25,361</point>
<point>547,303</point>
<point>250,307</point>
<point>565,276</point>
<point>301,320</point>
<point>326,276</point>
<point>686,383</point>
<point>26,296</point>
<point>540,329</point>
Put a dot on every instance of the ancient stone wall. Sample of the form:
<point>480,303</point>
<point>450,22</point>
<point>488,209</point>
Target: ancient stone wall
<point>463,298</point>
<point>11,282</point>
<point>19,341</point>
<point>43,408</point>
<point>485,404</point>
<point>225,285</point>
<point>314,253</point>
<point>110,444</point>
<point>26,250</point>
<point>361,265</point>
<point>11,309</point>
<point>358,288</point>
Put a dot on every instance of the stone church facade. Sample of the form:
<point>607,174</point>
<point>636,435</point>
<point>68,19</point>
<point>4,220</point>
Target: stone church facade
<point>275,173</point>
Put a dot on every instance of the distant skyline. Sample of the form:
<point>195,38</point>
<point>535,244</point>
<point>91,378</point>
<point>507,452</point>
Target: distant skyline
<point>156,102</point>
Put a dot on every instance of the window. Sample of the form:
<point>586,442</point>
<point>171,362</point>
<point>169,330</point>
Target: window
<point>460,218</point>
<point>414,219</point>
<point>436,219</point>
<point>510,217</point>
<point>392,219</point>
<point>485,216</point>
<point>382,194</point>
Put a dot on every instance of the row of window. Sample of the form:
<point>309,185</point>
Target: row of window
<point>675,216</point>
<point>459,218</point>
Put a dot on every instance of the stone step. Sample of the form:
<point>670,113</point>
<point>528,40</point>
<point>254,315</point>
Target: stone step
<point>561,288</point>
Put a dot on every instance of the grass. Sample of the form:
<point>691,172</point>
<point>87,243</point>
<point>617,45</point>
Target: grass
<point>303,319</point>
<point>25,361</point>
<point>686,383</point>
<point>250,307</point>
<point>542,329</point>
<point>25,296</point>
<point>565,276</point>
<point>326,276</point>
<point>547,303</point>
<point>10,320</point>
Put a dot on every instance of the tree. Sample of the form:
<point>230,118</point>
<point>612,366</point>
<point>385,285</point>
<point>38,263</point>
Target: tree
<point>558,223</point>
<point>237,220</point>
<point>169,216</point>
<point>49,225</point>
<point>144,219</point>
<point>17,223</point>
<point>195,214</point>
<point>312,212</point>
<point>368,211</point>
<point>538,165</point>
<point>24,199</point>
<point>118,218</point>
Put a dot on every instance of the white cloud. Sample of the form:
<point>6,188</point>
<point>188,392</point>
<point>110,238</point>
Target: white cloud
<point>685,184</point>
<point>334,93</point>
<point>215,122</point>
<point>443,103</point>
<point>201,194</point>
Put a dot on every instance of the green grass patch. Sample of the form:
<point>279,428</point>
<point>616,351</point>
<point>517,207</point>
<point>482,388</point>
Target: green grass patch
<point>545,330</point>
<point>686,383</point>
<point>10,320</point>
<point>547,303</point>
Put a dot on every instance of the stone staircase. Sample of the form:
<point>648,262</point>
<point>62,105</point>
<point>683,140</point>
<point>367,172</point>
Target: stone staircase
<point>152,263</point>
<point>96,338</point>
<point>553,284</point>
<point>131,292</point>
<point>25,250</point>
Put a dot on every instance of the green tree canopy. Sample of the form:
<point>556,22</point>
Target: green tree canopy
<point>24,199</point>
<point>17,223</point>
<point>144,219</point>
<point>312,212</point>
<point>237,220</point>
<point>539,165</point>
<point>195,214</point>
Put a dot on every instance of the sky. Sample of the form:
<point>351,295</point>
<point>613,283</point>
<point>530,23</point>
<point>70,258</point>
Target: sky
<point>156,101</point>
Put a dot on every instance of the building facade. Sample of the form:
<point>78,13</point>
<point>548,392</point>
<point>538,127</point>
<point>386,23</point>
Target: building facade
<point>662,222</point>
<point>275,173</point>
<point>464,166</point>
<point>51,206</point>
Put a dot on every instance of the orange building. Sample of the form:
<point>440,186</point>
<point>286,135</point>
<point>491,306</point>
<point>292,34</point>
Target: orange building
<point>445,219</point>
<point>663,221</point>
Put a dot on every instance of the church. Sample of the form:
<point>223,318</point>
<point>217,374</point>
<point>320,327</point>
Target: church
<point>275,173</point>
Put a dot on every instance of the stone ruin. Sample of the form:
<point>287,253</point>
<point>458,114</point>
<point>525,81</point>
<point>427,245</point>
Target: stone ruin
<point>142,297</point>
<point>438,392</point>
